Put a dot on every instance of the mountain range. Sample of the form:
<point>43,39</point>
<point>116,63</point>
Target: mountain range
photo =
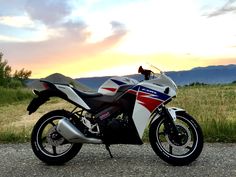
<point>221,74</point>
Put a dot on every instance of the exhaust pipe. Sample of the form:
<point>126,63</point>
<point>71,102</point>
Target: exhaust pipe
<point>72,134</point>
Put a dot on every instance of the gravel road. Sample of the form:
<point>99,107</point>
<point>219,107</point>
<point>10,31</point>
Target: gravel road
<point>216,160</point>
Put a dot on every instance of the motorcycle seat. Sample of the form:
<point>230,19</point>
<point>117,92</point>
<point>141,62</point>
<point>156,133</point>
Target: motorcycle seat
<point>97,101</point>
<point>83,94</point>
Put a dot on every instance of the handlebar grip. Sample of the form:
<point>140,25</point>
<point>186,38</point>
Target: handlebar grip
<point>145,72</point>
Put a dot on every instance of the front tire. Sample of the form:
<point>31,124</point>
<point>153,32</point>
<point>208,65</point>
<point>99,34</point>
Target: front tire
<point>175,152</point>
<point>47,144</point>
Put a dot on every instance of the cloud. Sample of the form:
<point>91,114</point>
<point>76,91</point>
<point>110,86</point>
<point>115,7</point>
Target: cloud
<point>16,21</point>
<point>12,7</point>
<point>64,38</point>
<point>48,12</point>
<point>228,7</point>
<point>54,14</point>
<point>118,32</point>
<point>69,45</point>
<point>41,18</point>
<point>118,28</point>
<point>9,38</point>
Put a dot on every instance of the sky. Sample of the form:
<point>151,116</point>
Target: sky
<point>85,38</point>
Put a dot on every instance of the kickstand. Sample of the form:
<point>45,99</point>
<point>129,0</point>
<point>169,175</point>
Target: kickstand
<point>108,149</point>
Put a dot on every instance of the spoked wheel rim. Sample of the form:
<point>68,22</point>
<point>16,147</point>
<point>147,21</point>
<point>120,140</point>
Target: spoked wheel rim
<point>188,141</point>
<point>49,141</point>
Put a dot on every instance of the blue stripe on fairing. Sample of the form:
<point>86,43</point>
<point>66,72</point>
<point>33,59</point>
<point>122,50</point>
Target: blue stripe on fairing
<point>118,82</point>
<point>135,88</point>
<point>155,94</point>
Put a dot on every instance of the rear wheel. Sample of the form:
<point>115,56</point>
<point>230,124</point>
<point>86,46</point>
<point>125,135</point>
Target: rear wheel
<point>47,144</point>
<point>177,151</point>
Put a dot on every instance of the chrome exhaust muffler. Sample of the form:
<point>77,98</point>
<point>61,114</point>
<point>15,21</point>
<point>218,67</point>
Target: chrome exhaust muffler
<point>72,134</point>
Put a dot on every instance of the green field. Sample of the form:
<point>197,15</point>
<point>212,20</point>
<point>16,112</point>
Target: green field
<point>14,96</point>
<point>213,106</point>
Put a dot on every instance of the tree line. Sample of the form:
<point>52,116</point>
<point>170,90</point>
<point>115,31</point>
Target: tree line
<point>10,79</point>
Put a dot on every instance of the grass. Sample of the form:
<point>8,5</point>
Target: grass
<point>12,96</point>
<point>15,136</point>
<point>15,123</point>
<point>214,107</point>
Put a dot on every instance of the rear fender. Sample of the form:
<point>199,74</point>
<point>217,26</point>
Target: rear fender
<point>43,97</point>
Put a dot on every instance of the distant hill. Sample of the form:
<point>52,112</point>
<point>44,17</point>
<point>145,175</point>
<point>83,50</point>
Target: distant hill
<point>57,78</point>
<point>208,75</point>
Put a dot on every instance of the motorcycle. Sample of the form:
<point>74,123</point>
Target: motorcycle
<point>118,113</point>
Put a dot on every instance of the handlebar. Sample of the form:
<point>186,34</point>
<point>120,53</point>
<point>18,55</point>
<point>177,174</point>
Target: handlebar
<point>145,72</point>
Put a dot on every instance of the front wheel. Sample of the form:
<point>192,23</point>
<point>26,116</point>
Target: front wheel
<point>183,150</point>
<point>47,144</point>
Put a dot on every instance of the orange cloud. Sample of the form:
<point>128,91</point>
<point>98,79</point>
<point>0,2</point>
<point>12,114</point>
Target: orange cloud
<point>59,54</point>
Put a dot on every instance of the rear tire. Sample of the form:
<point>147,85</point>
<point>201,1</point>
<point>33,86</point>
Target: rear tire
<point>47,144</point>
<point>171,151</point>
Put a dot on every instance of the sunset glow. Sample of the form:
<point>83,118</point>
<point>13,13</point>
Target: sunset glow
<point>98,37</point>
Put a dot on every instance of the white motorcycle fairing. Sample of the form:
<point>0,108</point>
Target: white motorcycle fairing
<point>141,98</point>
<point>117,114</point>
<point>71,95</point>
<point>112,85</point>
<point>147,100</point>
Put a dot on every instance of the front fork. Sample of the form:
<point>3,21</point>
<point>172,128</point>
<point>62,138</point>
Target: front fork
<point>169,123</point>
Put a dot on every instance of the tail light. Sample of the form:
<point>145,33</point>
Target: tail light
<point>45,85</point>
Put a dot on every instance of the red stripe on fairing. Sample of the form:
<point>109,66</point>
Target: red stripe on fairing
<point>132,91</point>
<point>110,89</point>
<point>147,101</point>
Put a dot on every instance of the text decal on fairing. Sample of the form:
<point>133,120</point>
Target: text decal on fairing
<point>154,94</point>
<point>149,98</point>
<point>148,90</point>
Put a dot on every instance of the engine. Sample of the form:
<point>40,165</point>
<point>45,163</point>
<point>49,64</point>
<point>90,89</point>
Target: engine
<point>114,125</point>
<point>111,125</point>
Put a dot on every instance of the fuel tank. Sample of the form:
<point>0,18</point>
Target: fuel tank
<point>111,86</point>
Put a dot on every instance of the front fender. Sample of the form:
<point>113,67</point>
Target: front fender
<point>172,111</point>
<point>43,97</point>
